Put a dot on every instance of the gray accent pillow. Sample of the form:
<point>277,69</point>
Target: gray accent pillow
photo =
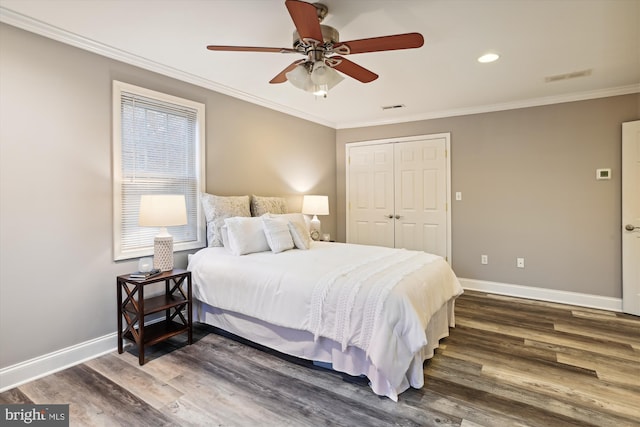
<point>217,209</point>
<point>261,205</point>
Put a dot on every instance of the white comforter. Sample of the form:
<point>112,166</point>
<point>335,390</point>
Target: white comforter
<point>377,299</point>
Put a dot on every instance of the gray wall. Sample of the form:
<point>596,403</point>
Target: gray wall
<point>527,177</point>
<point>57,274</point>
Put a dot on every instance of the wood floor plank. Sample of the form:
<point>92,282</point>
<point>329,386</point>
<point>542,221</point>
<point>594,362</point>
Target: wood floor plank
<point>93,399</point>
<point>187,414</point>
<point>519,359</point>
<point>618,336</point>
<point>473,412</point>
<point>623,375</point>
<point>610,348</point>
<point>498,343</point>
<point>606,316</point>
<point>224,402</point>
<point>14,396</point>
<point>446,369</point>
<point>597,400</point>
<point>152,390</point>
<point>501,411</point>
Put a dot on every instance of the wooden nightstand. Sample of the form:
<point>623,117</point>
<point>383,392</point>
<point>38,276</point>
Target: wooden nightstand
<point>134,307</point>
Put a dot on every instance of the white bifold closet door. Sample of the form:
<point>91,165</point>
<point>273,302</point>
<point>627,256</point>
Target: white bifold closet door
<point>397,194</point>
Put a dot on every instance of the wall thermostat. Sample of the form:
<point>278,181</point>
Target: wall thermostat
<point>603,173</point>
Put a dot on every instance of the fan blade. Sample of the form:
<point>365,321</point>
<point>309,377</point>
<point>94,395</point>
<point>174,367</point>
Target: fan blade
<point>281,77</point>
<point>377,44</point>
<point>251,49</point>
<point>305,18</point>
<point>351,69</point>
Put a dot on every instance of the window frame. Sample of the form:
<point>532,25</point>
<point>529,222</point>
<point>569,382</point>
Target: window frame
<point>118,88</point>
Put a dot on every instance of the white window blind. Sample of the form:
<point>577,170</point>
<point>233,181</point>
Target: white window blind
<point>158,149</point>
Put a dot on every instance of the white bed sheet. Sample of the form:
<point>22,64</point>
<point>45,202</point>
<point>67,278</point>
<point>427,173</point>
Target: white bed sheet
<point>378,300</point>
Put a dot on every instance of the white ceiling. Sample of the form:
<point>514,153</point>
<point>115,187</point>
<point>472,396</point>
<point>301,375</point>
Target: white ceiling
<point>535,38</point>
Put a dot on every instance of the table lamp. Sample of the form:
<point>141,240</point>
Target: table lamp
<point>162,210</point>
<point>315,205</point>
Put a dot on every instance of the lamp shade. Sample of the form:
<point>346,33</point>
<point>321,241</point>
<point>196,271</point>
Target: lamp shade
<point>299,77</point>
<point>315,205</point>
<point>162,210</point>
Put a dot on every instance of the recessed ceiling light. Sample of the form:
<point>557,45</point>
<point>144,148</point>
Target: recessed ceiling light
<point>488,57</point>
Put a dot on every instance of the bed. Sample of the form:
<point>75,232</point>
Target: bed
<point>364,310</point>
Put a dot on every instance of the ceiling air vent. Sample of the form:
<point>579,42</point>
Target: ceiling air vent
<point>393,107</point>
<point>566,76</point>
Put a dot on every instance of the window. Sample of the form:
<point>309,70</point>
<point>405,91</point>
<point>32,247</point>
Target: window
<point>158,148</point>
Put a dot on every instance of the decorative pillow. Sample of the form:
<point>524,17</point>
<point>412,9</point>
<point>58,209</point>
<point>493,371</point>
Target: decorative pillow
<point>277,233</point>
<point>262,205</point>
<point>300,235</point>
<point>224,232</point>
<point>246,235</point>
<point>217,208</point>
<point>294,217</point>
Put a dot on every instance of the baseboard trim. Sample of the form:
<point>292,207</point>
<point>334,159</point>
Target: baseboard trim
<point>38,367</point>
<point>552,295</point>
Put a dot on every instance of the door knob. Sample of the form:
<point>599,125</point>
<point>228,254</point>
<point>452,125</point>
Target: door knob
<point>389,216</point>
<point>397,216</point>
<point>631,227</point>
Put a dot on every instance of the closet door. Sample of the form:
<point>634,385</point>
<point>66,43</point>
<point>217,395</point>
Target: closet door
<point>420,214</point>
<point>370,195</point>
<point>397,194</point>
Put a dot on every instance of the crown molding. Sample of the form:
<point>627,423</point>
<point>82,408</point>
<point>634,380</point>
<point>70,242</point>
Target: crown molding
<point>46,30</point>
<point>42,28</point>
<point>526,103</point>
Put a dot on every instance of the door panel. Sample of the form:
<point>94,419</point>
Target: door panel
<point>370,195</point>
<point>430,237</point>
<point>631,217</point>
<point>430,191</point>
<point>421,195</point>
<point>408,233</point>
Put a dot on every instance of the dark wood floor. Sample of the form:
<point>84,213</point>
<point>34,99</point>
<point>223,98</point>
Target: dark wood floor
<point>509,362</point>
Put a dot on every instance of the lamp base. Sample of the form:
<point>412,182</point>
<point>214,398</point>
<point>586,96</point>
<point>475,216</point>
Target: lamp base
<point>163,253</point>
<point>314,228</point>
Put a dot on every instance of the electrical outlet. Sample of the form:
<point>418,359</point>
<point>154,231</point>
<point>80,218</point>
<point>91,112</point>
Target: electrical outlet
<point>520,262</point>
<point>458,195</point>
<point>484,259</point>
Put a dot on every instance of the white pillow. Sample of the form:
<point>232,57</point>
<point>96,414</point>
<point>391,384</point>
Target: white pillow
<point>277,233</point>
<point>293,217</point>
<point>246,235</point>
<point>300,235</point>
<point>224,232</point>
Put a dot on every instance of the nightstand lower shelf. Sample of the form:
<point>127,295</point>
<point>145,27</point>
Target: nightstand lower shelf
<point>158,332</point>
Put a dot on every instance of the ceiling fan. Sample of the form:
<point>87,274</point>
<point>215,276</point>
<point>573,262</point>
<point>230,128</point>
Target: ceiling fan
<point>323,51</point>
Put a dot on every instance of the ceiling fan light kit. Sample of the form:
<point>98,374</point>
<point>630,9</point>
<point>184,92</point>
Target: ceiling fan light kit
<point>319,81</point>
<point>321,46</point>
